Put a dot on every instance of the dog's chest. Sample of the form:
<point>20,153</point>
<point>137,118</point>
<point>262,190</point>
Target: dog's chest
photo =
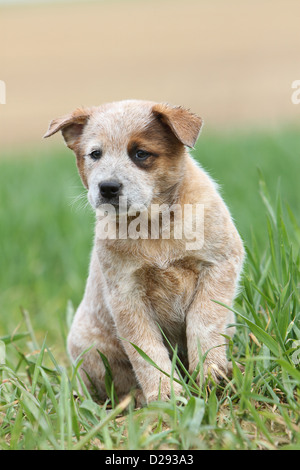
<point>169,290</point>
<point>164,286</point>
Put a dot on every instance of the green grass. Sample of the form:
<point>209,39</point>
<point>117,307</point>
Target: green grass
<point>45,246</point>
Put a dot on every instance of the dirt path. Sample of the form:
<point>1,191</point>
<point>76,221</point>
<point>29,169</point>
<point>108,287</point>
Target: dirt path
<point>232,62</point>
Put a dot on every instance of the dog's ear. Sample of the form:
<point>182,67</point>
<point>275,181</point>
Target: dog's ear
<point>71,126</point>
<point>185,125</point>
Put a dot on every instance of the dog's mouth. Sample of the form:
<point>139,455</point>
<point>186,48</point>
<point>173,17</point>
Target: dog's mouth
<point>119,206</point>
<point>115,203</point>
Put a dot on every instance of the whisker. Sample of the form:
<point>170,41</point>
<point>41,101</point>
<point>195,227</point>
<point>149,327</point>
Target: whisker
<point>79,201</point>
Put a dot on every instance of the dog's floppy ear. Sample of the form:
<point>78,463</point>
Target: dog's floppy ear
<point>185,125</point>
<point>71,126</point>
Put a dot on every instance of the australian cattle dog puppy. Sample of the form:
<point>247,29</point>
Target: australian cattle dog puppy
<point>165,248</point>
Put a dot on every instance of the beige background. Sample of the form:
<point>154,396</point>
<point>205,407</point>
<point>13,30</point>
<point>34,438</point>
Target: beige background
<point>232,61</point>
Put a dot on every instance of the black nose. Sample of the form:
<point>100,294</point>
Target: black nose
<point>110,189</point>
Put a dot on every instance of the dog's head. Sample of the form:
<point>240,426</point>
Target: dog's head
<point>133,149</point>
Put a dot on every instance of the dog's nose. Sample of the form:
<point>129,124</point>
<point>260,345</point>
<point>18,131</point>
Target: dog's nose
<point>110,189</point>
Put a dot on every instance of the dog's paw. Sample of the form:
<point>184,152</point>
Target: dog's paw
<point>164,391</point>
<point>215,371</point>
<point>230,368</point>
<point>220,372</point>
<point>139,398</point>
<point>212,370</point>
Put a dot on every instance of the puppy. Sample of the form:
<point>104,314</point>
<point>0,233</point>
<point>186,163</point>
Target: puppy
<point>141,286</point>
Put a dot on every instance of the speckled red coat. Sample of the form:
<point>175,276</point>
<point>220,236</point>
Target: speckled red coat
<point>136,287</point>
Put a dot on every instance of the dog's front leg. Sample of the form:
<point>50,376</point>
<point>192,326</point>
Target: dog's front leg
<point>206,321</point>
<point>135,325</point>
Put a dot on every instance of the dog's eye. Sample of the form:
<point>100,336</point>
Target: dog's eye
<point>96,154</point>
<point>142,155</point>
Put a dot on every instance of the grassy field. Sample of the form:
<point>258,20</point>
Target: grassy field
<point>46,237</point>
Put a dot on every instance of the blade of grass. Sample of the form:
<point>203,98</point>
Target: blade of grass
<point>258,331</point>
<point>110,417</point>
<point>37,367</point>
<point>151,362</point>
<point>29,328</point>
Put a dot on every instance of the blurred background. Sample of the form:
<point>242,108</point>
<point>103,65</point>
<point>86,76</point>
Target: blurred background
<point>231,62</point>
